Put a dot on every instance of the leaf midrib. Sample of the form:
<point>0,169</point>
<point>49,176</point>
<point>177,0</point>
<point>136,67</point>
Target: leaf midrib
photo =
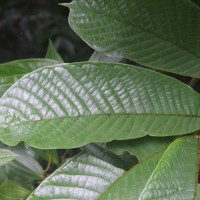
<point>141,28</point>
<point>98,115</point>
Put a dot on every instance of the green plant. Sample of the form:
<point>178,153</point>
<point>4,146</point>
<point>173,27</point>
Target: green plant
<point>136,128</point>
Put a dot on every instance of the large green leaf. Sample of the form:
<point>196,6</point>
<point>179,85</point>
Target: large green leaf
<point>12,71</point>
<point>6,156</point>
<point>162,176</point>
<point>160,34</point>
<point>71,105</point>
<point>170,177</point>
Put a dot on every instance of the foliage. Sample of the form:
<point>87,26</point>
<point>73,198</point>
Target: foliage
<point>107,128</point>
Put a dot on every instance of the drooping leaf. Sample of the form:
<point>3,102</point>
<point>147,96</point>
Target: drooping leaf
<point>13,191</point>
<point>165,173</point>
<point>71,105</point>
<point>141,147</point>
<point>12,71</point>
<point>6,156</point>
<point>159,34</point>
<point>52,52</point>
<point>25,168</point>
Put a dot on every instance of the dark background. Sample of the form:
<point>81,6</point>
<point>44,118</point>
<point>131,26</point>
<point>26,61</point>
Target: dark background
<point>27,25</point>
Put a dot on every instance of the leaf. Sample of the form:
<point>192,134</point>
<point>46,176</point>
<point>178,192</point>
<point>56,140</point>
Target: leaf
<point>151,33</point>
<point>71,105</point>
<point>12,71</point>
<point>98,56</point>
<point>52,53</point>
<point>24,169</point>
<point>13,191</point>
<point>100,151</point>
<point>141,147</point>
<point>6,156</point>
<point>83,177</point>
<point>164,175</point>
<point>172,177</point>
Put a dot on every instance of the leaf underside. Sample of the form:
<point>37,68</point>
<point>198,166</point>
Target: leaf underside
<point>70,105</point>
<point>153,33</point>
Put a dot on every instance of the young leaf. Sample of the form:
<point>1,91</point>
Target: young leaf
<point>6,156</point>
<point>71,105</point>
<point>153,33</point>
<point>52,53</point>
<point>13,191</point>
<point>12,71</point>
<point>164,174</point>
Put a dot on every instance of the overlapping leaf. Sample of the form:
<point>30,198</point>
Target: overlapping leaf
<point>25,168</point>
<point>13,191</point>
<point>160,34</point>
<point>6,156</point>
<point>71,105</point>
<point>141,147</point>
<point>163,174</point>
<point>12,71</point>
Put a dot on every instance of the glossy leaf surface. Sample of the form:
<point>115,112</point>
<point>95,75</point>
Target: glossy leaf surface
<point>71,105</point>
<point>12,71</point>
<point>83,177</point>
<point>160,34</point>
<point>163,174</point>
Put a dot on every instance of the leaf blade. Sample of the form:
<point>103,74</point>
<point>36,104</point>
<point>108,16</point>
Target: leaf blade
<point>153,34</point>
<point>13,71</point>
<point>6,156</point>
<point>117,101</point>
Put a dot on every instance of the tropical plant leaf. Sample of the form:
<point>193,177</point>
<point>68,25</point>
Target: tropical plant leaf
<point>161,174</point>
<point>12,71</point>
<point>100,151</point>
<point>82,177</point>
<point>25,168</point>
<point>156,178</point>
<point>153,33</point>
<point>6,156</point>
<point>13,191</point>
<point>52,53</point>
<point>71,105</point>
<point>141,147</point>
